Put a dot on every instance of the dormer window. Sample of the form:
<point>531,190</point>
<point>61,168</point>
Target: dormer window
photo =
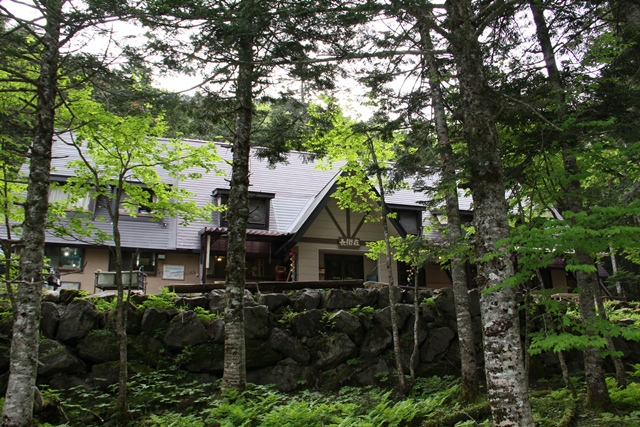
<point>259,204</point>
<point>409,219</point>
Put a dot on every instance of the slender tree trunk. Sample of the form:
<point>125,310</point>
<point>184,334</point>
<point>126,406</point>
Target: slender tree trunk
<point>121,328</point>
<point>238,214</point>
<point>621,374</point>
<point>614,269</point>
<point>415,354</point>
<point>527,334</point>
<point>504,366</point>
<point>597,393</point>
<point>19,398</point>
<point>469,382</point>
<point>402,386</point>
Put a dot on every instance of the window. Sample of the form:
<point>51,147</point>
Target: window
<point>147,260</point>
<point>56,195</point>
<point>127,205</point>
<point>258,209</point>
<point>343,267</point>
<point>64,257</point>
<point>409,220</point>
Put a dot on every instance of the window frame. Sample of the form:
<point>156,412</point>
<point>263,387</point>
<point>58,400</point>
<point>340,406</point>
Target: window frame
<point>59,256</point>
<point>88,203</point>
<point>126,256</point>
<point>221,197</point>
<point>416,212</point>
<point>141,211</point>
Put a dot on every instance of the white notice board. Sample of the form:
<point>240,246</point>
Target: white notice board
<point>173,272</point>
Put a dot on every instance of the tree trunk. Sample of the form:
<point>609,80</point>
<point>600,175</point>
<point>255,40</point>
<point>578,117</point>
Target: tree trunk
<point>469,383</point>
<point>397,350</point>
<point>614,270</point>
<point>621,374</point>
<point>504,367</point>
<point>121,322</point>
<point>597,393</point>
<point>415,354</point>
<point>238,214</point>
<point>19,398</point>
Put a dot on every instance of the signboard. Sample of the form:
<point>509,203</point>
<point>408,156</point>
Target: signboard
<point>173,272</point>
<point>349,242</point>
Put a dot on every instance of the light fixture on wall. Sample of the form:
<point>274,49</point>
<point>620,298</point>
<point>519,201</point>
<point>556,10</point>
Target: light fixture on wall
<point>219,259</point>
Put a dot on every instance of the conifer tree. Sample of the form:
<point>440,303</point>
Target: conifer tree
<point>239,45</point>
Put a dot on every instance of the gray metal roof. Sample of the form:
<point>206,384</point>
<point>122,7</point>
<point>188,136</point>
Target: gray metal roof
<point>299,186</point>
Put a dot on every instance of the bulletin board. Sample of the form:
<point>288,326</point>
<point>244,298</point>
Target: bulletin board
<point>173,272</point>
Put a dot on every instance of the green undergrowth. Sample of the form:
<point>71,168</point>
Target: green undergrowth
<point>163,399</point>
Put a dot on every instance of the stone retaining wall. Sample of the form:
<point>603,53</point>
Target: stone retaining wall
<point>307,338</point>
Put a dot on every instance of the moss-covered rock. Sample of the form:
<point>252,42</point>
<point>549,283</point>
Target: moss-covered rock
<point>208,357</point>
<point>260,354</point>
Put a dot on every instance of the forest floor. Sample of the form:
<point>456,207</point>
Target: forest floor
<point>163,399</point>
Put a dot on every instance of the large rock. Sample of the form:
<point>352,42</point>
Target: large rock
<point>408,296</point>
<point>100,346</point>
<point>134,319</point>
<point>343,321</point>
<point>331,350</point>
<point>49,319</point>
<point>55,358</point>
<point>69,295</point>
<point>154,322</point>
<point>260,354</point>
<point>65,382</point>
<point>423,329</point>
<point>78,319</point>
<point>360,374</point>
<point>216,301</point>
<point>437,344</point>
<point>215,328</point>
<point>208,357</point>
<point>185,330</point>
<point>307,324</point>
<point>366,297</point>
<point>285,376</point>
<point>105,375</point>
<point>375,342</point>
<point>145,349</point>
<point>290,347</point>
<point>256,322</point>
<point>338,299</point>
<point>373,374</point>
<point>383,317</point>
<point>445,302</point>
<point>306,299</point>
<point>274,302</point>
<point>383,297</point>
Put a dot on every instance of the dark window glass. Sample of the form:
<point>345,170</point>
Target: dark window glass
<point>258,212</point>
<point>409,220</point>
<point>140,259</point>
<point>343,267</point>
<point>65,257</point>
